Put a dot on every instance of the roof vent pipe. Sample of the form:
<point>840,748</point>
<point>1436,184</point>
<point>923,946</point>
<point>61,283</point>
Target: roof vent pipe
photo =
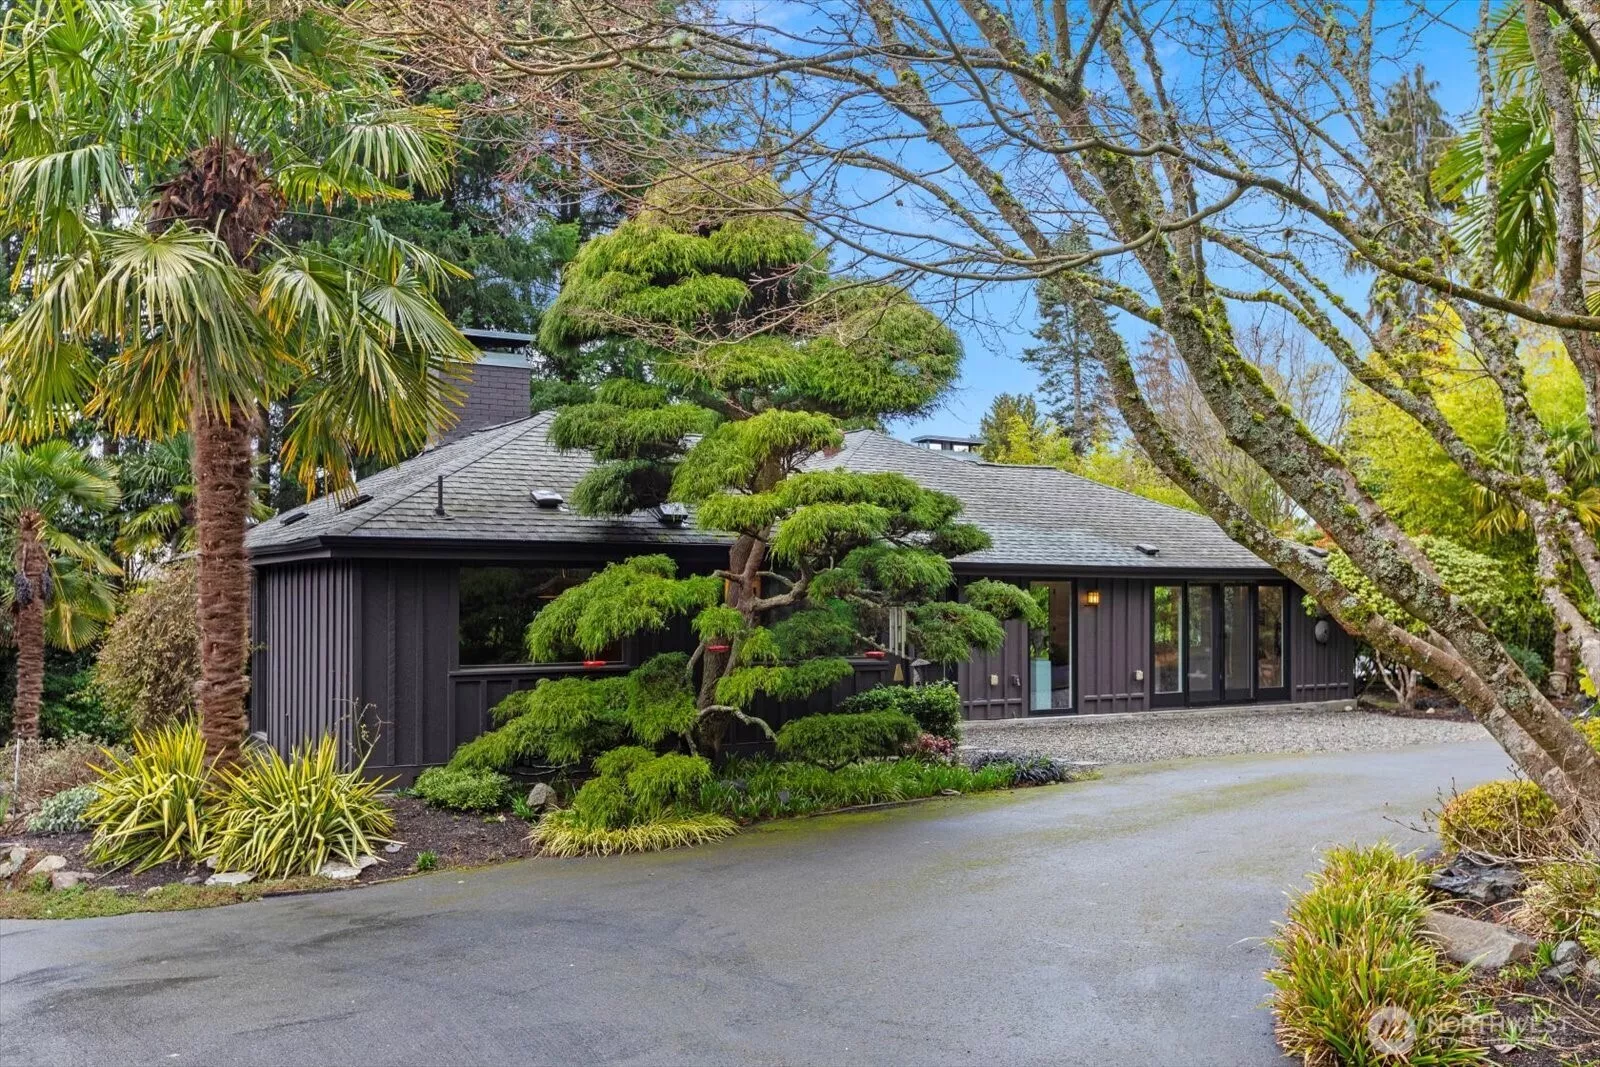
<point>438,501</point>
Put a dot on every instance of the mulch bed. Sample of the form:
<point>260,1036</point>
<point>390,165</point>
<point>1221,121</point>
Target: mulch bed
<point>455,839</point>
<point>1428,707</point>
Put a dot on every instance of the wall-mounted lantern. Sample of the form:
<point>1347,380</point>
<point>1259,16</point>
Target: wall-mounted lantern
<point>1091,597</point>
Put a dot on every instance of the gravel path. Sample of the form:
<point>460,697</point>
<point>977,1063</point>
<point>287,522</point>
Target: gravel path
<point>1156,739</point>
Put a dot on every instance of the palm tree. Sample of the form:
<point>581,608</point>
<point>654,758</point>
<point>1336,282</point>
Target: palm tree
<point>58,590</point>
<point>150,153</point>
<point>157,480</point>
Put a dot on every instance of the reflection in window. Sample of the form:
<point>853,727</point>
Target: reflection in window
<point>1269,637</point>
<point>1167,647</point>
<point>1202,639</point>
<point>1236,638</point>
<point>1052,650</point>
<point>498,603</point>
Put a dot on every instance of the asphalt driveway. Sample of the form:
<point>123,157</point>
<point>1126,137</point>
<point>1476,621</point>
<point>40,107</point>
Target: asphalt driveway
<point>1100,923</point>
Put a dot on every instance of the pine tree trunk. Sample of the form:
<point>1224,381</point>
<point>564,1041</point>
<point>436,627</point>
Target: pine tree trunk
<point>222,455</point>
<point>32,565</point>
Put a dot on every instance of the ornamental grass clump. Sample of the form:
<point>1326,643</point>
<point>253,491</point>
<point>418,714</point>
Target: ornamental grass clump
<point>280,817</point>
<point>1356,984</point>
<point>637,802</point>
<point>1562,901</point>
<point>150,807</point>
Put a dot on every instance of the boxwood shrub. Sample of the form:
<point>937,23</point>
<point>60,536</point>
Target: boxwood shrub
<point>1508,817</point>
<point>463,790</point>
<point>936,707</point>
<point>832,741</point>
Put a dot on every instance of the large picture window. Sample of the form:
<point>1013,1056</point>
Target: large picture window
<point>1269,638</point>
<point>1168,643</point>
<point>498,603</point>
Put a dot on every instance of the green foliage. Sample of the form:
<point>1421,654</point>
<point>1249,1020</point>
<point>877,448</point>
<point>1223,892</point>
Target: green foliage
<point>936,706</point>
<point>74,706</point>
<point>63,812</point>
<point>947,632</point>
<point>462,790</point>
<point>281,817</point>
<point>1006,601</point>
<point>565,833</point>
<point>1563,900</point>
<point>742,685</point>
<point>768,789</point>
<point>427,860</point>
<point>151,806</point>
<point>1509,817</point>
<point>559,721</point>
<point>1352,945</point>
<point>602,804</point>
<point>637,594</point>
<point>621,761</point>
<point>660,698</point>
<point>150,660</point>
<point>667,781</point>
<point>1532,664</point>
<point>832,741</point>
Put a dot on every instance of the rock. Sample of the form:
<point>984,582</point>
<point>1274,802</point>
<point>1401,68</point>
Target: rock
<point>1567,952</point>
<point>193,879</point>
<point>949,792</point>
<point>363,862</point>
<point>210,861</point>
<point>340,872</point>
<point>1591,970</point>
<point>394,846</point>
<point>1561,971</point>
<point>13,861</point>
<point>1478,944</point>
<point>49,865</point>
<point>1472,879</point>
<point>153,890</point>
<point>231,878</point>
<point>65,879</point>
<point>542,798</point>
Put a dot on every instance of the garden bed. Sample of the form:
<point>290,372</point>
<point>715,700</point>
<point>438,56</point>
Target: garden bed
<point>451,839</point>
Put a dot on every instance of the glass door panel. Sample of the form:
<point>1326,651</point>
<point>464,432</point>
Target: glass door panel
<point>1200,644</point>
<point>1166,645</point>
<point>1051,651</point>
<point>1237,642</point>
<point>1272,676</point>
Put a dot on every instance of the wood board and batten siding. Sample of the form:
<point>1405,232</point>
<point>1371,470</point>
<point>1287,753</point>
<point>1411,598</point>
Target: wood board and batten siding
<point>1318,670</point>
<point>994,685</point>
<point>1112,645</point>
<point>305,652</point>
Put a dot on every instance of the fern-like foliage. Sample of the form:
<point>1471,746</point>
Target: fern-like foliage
<point>625,598</point>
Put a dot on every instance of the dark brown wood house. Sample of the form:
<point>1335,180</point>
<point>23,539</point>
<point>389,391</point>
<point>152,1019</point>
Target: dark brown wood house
<point>399,612</point>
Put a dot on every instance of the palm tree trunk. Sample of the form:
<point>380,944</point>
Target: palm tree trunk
<point>32,565</point>
<point>222,455</point>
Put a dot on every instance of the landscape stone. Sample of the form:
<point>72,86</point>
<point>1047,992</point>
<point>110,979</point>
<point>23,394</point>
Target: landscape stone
<point>394,846</point>
<point>541,797</point>
<point>340,872</point>
<point>1566,952</point>
<point>193,879</point>
<point>49,865</point>
<point>1471,879</point>
<point>1479,944</point>
<point>363,862</point>
<point>13,861</point>
<point>231,878</point>
<point>65,879</point>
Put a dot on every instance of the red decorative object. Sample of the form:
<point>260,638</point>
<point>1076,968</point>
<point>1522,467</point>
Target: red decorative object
<point>594,663</point>
<point>718,648</point>
<point>875,653</point>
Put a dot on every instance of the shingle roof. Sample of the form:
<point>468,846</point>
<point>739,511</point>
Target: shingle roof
<point>1036,516</point>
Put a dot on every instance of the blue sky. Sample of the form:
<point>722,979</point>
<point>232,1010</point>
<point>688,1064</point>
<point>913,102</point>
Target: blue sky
<point>996,323</point>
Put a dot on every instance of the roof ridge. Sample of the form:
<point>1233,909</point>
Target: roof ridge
<point>487,447</point>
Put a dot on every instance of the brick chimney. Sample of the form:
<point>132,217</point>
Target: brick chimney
<point>497,386</point>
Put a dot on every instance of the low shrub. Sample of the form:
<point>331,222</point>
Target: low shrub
<point>1508,818</point>
<point>281,817</point>
<point>936,706</point>
<point>80,711</point>
<point>1532,664</point>
<point>560,722</point>
<point>832,741</point>
<point>1024,769</point>
<point>149,807</point>
<point>766,789</point>
<point>636,802</point>
<point>1349,952</point>
<point>932,747</point>
<point>1562,900</point>
<point>462,790</point>
<point>63,813</point>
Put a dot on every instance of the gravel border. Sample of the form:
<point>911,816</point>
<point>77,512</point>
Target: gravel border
<point>1129,740</point>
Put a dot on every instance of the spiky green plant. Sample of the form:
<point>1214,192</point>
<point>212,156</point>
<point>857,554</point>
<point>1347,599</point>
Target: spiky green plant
<point>281,817</point>
<point>151,806</point>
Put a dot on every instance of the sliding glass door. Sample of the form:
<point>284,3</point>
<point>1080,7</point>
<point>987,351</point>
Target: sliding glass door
<point>1213,642</point>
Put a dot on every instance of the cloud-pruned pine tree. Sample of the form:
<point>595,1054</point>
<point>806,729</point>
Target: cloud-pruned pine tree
<point>757,362</point>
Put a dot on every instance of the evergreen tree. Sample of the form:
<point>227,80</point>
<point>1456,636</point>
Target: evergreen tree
<point>756,362</point>
<point>1071,379</point>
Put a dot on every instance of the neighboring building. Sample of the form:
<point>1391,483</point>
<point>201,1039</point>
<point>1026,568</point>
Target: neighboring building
<point>964,447</point>
<point>409,600</point>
